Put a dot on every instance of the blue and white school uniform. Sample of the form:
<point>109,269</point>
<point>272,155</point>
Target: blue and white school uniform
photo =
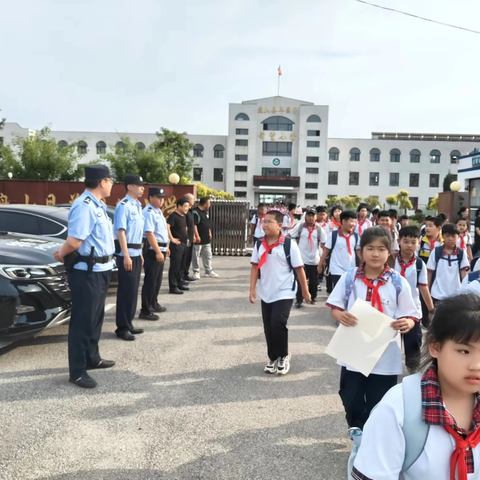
<point>341,259</point>
<point>258,233</point>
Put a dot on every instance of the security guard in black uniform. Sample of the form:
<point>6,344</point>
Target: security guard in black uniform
<point>128,229</point>
<point>88,257</point>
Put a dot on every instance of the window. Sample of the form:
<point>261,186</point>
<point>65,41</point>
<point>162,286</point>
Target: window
<point>240,194</point>
<point>272,149</point>
<point>241,131</point>
<point>395,155</point>
<point>333,178</point>
<point>311,196</point>
<point>311,170</point>
<point>414,201</point>
<point>278,123</point>
<point>241,158</point>
<point>311,185</point>
<point>101,148</point>
<point>374,179</point>
<point>415,156</point>
<point>218,151</point>
<point>240,168</point>
<point>435,156</point>
<point>218,174</point>
<point>313,144</point>
<point>354,155</point>
<point>394,179</point>
<point>19,222</point>
<point>276,172</point>
<point>240,184</point>
<point>242,117</point>
<point>333,154</point>
<point>353,178</point>
<point>313,159</point>
<point>434,180</point>
<point>1,142</point>
<point>82,147</point>
<point>313,133</point>
<point>414,179</point>
<point>241,143</point>
<point>332,196</point>
<point>140,146</point>
<point>61,143</point>
<point>374,155</point>
<point>120,146</point>
<point>314,119</point>
<point>198,174</point>
<point>454,155</point>
<point>50,227</point>
<point>198,150</point>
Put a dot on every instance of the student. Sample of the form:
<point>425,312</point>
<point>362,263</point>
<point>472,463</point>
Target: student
<point>385,221</point>
<point>322,218</point>
<point>448,406</point>
<point>343,245</point>
<point>375,282</point>
<point>431,239</point>
<point>394,217</point>
<point>310,237</point>
<point>273,269</point>
<point>256,224</point>
<point>447,266</point>
<point>443,218</point>
<point>374,218</point>
<point>335,223</point>
<point>289,219</point>
<point>362,221</point>
<point>464,212</point>
<point>404,221</point>
<point>415,272</point>
<point>464,238</point>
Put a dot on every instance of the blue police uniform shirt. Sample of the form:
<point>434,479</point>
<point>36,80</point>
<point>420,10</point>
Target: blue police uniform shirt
<point>88,221</point>
<point>129,217</point>
<point>155,222</point>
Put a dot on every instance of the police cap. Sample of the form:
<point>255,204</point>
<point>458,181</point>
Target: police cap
<point>97,172</point>
<point>155,192</point>
<point>134,180</point>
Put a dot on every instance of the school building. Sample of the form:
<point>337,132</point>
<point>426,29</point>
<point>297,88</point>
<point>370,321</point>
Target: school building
<point>278,148</point>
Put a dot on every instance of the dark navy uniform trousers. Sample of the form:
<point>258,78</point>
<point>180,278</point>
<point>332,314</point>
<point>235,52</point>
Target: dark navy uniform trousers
<point>152,282</point>
<point>127,293</point>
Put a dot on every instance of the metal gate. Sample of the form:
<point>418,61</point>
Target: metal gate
<point>229,220</point>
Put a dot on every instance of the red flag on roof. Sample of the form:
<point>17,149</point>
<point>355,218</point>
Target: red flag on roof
<point>279,71</point>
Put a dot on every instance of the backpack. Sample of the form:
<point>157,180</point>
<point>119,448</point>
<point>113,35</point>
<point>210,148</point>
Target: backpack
<point>334,241</point>
<point>438,256</point>
<point>419,265</point>
<point>287,245</point>
<point>319,232</point>
<point>414,430</point>
<point>472,276</point>
<point>350,281</point>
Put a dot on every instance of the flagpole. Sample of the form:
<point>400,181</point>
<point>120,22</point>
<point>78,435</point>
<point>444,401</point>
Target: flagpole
<point>278,90</point>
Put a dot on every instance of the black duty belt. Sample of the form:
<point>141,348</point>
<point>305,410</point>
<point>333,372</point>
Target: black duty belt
<point>162,244</point>
<point>134,246</point>
<point>94,260</point>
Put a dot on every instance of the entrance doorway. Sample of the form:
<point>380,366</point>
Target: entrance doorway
<point>277,198</point>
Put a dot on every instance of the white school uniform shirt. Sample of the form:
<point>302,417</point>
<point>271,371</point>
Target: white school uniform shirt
<point>287,222</point>
<point>259,233</point>
<point>472,287</point>
<point>382,451</point>
<point>447,279</point>
<point>276,278</point>
<point>331,226</point>
<point>365,224</point>
<point>411,277</point>
<point>310,253</point>
<point>467,238</point>
<point>340,259</point>
<point>403,306</point>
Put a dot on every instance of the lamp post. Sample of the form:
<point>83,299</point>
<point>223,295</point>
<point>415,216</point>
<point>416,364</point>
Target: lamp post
<point>174,178</point>
<point>455,186</point>
<point>10,175</point>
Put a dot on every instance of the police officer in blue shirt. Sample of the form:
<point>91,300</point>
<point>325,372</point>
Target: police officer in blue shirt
<point>156,234</point>
<point>128,230</point>
<point>88,257</point>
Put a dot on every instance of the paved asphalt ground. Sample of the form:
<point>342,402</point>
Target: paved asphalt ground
<point>187,400</point>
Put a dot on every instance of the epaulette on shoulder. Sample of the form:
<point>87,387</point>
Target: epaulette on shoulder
<point>124,202</point>
<point>87,200</point>
<point>150,209</point>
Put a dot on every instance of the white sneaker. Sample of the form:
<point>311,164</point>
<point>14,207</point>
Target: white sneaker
<point>271,367</point>
<point>196,275</point>
<point>283,365</point>
<point>212,274</point>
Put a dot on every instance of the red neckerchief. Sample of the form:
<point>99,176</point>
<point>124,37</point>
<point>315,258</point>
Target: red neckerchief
<point>268,249</point>
<point>458,460</point>
<point>462,241</point>
<point>337,224</point>
<point>375,295</point>
<point>310,233</point>
<point>405,265</point>
<point>340,234</point>
<point>291,219</point>
<point>431,243</point>
<point>360,225</point>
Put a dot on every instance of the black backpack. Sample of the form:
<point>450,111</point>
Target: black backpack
<point>438,256</point>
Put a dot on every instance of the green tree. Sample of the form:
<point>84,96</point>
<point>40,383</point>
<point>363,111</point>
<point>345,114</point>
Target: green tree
<point>433,204</point>
<point>351,203</point>
<point>449,178</point>
<point>39,157</point>
<point>205,191</point>
<point>332,201</point>
<point>404,200</point>
<point>392,200</point>
<point>371,201</point>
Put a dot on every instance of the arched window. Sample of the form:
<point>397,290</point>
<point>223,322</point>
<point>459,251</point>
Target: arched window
<point>120,146</point>
<point>355,155</point>
<point>101,148</point>
<point>140,146</point>
<point>333,154</point>
<point>435,156</point>
<point>62,144</point>
<point>198,150</point>
<point>415,156</point>
<point>218,151</point>
<point>82,147</point>
<point>243,117</point>
<point>454,154</point>
<point>375,155</point>
<point>395,155</point>
<point>278,123</point>
<point>314,119</point>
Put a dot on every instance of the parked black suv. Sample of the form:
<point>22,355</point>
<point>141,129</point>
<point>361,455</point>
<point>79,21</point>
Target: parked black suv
<point>34,292</point>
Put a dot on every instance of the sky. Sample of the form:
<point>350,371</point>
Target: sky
<point>136,66</point>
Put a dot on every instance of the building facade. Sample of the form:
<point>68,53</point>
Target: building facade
<point>277,148</point>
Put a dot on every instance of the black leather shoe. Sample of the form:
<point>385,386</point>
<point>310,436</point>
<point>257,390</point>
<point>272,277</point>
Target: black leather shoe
<point>136,331</point>
<point>176,292</point>
<point>190,279</point>
<point>102,364</point>
<point>85,381</point>
<point>183,287</point>
<point>126,336</point>
<point>160,309</point>
<point>148,316</point>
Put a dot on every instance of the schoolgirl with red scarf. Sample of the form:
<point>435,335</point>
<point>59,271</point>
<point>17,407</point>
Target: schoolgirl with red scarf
<point>464,237</point>
<point>335,223</point>
<point>362,221</point>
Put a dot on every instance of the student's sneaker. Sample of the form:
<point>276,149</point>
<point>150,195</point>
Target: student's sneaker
<point>196,275</point>
<point>271,367</point>
<point>283,364</point>
<point>212,274</point>
<point>354,432</point>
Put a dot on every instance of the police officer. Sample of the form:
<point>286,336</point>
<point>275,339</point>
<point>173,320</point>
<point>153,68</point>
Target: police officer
<point>156,250</point>
<point>128,229</point>
<point>90,244</point>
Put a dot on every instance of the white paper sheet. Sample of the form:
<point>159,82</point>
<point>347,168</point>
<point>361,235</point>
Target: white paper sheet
<point>362,346</point>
